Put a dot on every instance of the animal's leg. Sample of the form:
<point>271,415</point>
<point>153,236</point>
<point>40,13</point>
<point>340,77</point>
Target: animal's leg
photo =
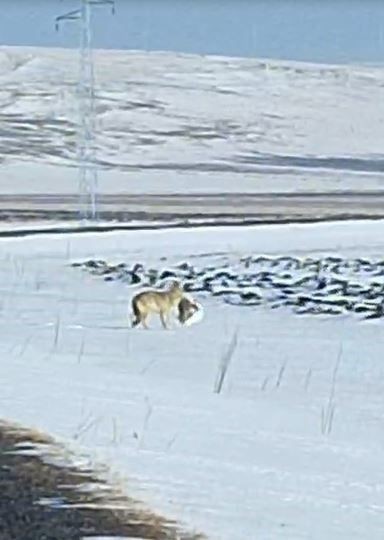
<point>144,321</point>
<point>169,320</point>
<point>163,320</point>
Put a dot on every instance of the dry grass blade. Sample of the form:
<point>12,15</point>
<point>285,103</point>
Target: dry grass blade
<point>224,363</point>
<point>328,412</point>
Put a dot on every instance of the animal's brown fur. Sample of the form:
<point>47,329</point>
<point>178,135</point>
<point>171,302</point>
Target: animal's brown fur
<point>159,302</point>
<point>186,309</point>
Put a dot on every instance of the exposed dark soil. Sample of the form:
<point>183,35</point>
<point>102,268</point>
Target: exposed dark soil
<point>43,501</point>
<point>326,285</point>
<point>220,207</point>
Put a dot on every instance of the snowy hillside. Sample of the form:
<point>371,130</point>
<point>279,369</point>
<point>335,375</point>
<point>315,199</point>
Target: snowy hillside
<point>172,122</point>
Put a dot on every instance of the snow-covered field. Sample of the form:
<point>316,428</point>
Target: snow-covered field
<point>181,123</point>
<point>292,446</point>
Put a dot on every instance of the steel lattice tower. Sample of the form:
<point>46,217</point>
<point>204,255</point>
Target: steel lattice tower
<point>86,148</point>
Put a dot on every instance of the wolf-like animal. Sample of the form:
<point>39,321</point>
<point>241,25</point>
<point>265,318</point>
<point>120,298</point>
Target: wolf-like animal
<point>159,302</point>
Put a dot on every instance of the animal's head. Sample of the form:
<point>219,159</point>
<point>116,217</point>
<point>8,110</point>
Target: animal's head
<point>186,309</point>
<point>176,288</point>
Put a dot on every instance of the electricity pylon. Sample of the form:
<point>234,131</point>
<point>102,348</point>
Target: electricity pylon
<point>86,148</point>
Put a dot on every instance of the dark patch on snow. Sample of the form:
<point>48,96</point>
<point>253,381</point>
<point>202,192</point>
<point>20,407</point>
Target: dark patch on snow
<point>41,500</point>
<point>316,286</point>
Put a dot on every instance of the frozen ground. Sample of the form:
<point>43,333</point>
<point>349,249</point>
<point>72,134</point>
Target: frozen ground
<point>292,446</point>
<point>192,209</point>
<point>173,123</point>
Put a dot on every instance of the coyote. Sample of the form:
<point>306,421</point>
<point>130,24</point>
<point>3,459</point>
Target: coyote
<point>161,302</point>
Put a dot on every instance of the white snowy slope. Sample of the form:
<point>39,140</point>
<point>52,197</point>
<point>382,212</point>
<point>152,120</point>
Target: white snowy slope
<point>292,447</point>
<point>170,122</point>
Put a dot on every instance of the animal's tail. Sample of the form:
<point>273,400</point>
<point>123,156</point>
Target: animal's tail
<point>136,314</point>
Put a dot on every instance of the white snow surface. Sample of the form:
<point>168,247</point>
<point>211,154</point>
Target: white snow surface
<point>170,122</point>
<point>251,462</point>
